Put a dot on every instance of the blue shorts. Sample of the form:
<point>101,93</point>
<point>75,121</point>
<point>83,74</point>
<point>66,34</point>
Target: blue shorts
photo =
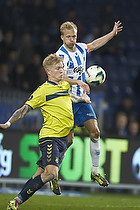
<point>53,150</point>
<point>82,112</point>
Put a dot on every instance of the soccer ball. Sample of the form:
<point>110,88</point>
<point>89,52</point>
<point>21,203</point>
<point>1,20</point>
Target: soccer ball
<point>95,75</point>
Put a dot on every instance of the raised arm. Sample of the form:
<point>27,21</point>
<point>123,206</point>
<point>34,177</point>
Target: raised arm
<point>97,43</point>
<point>17,115</point>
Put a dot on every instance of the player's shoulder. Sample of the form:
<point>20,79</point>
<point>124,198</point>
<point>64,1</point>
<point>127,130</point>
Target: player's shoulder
<point>65,85</point>
<point>63,53</point>
<point>61,49</point>
<point>81,44</point>
<point>64,82</point>
<point>41,87</point>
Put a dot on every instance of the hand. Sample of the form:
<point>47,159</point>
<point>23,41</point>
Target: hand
<point>84,85</point>
<point>4,126</point>
<point>117,27</point>
<point>86,98</point>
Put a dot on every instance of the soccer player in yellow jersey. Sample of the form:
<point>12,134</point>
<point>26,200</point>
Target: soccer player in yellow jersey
<point>54,100</point>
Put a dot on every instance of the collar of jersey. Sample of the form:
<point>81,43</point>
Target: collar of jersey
<point>52,83</point>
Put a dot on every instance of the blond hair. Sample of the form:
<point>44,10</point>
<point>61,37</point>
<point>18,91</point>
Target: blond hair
<point>51,60</point>
<point>67,25</point>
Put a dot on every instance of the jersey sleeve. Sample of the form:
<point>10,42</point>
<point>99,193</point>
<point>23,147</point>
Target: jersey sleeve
<point>84,46</point>
<point>88,48</point>
<point>36,99</point>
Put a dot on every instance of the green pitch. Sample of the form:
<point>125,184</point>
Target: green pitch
<point>94,201</point>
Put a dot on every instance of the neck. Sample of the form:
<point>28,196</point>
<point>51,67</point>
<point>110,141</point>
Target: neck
<point>71,49</point>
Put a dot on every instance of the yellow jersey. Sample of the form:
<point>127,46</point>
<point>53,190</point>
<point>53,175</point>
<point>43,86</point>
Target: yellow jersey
<point>55,104</point>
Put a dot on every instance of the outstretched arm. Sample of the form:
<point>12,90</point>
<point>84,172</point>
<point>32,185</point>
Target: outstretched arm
<point>17,115</point>
<point>97,43</point>
<point>77,82</point>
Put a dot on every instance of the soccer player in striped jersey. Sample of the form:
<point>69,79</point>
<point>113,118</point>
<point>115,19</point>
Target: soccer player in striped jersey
<point>54,100</point>
<point>74,59</point>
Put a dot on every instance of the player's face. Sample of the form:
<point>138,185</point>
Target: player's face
<point>55,73</point>
<point>69,39</point>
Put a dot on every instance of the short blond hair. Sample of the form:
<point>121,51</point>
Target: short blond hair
<point>50,60</point>
<point>67,25</point>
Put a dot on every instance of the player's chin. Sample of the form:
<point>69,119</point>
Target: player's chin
<point>61,77</point>
<point>71,45</point>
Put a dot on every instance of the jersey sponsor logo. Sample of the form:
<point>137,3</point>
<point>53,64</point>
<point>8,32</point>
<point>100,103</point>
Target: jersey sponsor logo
<point>77,70</point>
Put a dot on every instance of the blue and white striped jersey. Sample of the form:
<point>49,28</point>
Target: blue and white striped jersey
<point>74,64</point>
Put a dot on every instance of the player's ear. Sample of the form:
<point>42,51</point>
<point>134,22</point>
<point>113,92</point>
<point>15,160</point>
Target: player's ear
<point>48,72</point>
<point>61,37</point>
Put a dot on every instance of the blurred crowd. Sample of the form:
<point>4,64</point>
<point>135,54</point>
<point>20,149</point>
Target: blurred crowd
<point>29,31</point>
<point>126,120</point>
